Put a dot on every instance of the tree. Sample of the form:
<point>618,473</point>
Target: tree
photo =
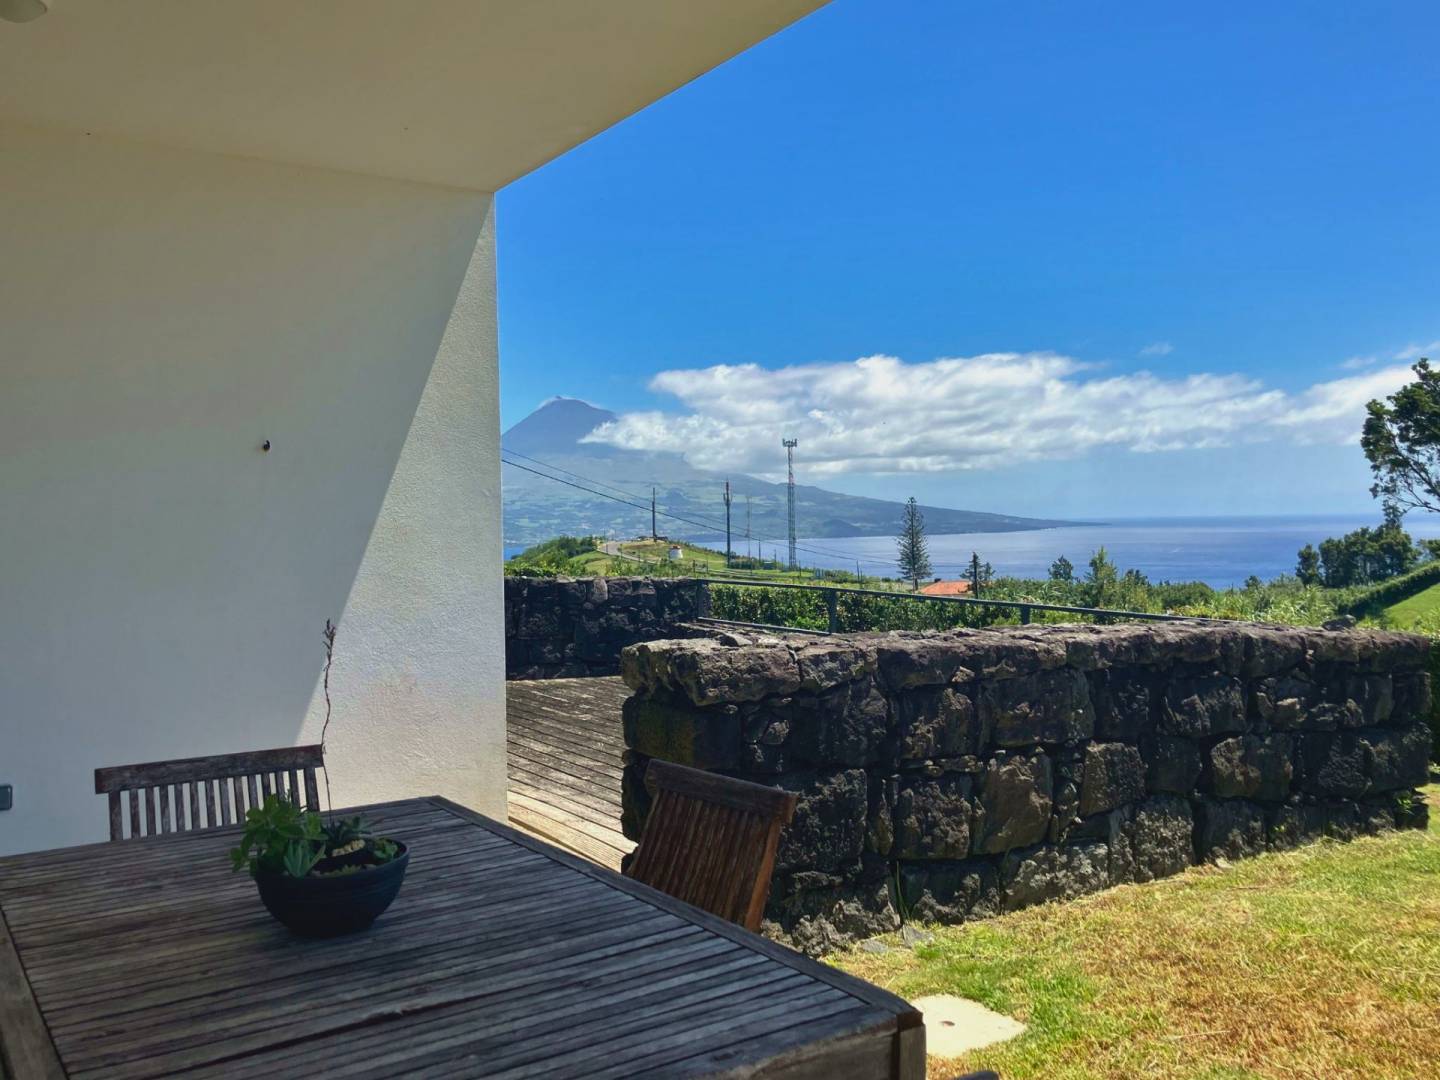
<point>1366,556</point>
<point>1307,570</point>
<point>1062,569</point>
<point>1101,583</point>
<point>913,554</point>
<point>1401,439</point>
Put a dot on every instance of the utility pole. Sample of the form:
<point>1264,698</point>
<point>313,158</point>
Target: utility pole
<point>727,524</point>
<point>749,548</point>
<point>790,445</point>
<point>654,532</point>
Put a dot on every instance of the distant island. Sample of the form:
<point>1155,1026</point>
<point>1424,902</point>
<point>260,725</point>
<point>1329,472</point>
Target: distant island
<point>537,508</point>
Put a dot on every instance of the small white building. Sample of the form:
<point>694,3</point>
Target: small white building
<point>248,370</point>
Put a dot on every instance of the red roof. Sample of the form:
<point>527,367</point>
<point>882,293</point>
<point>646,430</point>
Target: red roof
<point>946,588</point>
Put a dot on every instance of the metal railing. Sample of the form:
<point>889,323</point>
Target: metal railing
<point>1024,608</point>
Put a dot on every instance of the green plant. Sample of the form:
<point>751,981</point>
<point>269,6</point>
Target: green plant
<point>281,838</point>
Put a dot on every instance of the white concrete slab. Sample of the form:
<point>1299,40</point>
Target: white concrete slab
<point>956,1025</point>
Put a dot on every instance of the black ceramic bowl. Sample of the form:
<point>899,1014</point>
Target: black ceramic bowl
<point>329,906</point>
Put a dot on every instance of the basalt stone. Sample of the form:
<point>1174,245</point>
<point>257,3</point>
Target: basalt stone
<point>1412,812</point>
<point>1285,701</point>
<point>1122,700</point>
<point>1052,707</point>
<point>1291,824</point>
<point>1270,652</point>
<point>1397,758</point>
<point>905,663</point>
<point>937,721</point>
<point>1172,765</point>
<point>880,817</point>
<point>675,730</point>
<point>820,920</point>
<point>932,817</point>
<point>1009,656</point>
<point>1332,763</point>
<point>1251,767</point>
<point>1229,827</point>
<point>1014,798</point>
<point>828,829</point>
<point>1391,651</point>
<point>824,666</point>
<point>1411,697</point>
<point>1114,774</point>
<point>1203,705</point>
<point>1161,837</point>
<point>1035,875</point>
<point>1342,820</point>
<point>1377,815</point>
<point>950,892</point>
<point>709,673</point>
<point>843,726</point>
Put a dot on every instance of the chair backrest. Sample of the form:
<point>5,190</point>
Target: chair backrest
<point>710,840</point>
<point>205,792</point>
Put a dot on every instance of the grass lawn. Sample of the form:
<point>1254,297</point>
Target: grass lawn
<point>1321,962</point>
<point>1402,616</point>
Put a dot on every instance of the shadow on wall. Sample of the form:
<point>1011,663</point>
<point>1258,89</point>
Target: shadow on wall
<point>166,580</point>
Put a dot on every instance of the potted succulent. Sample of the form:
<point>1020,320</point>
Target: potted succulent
<point>319,876</point>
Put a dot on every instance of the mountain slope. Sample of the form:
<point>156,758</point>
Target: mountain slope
<point>538,508</point>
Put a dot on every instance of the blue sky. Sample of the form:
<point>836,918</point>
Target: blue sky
<point>1186,241</point>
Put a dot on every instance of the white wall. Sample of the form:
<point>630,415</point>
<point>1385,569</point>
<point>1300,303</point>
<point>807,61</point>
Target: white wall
<point>163,582</point>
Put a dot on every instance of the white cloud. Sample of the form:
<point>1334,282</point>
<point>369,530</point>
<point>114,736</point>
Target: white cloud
<point>1415,352</point>
<point>1157,348</point>
<point>1360,363</point>
<point>881,415</point>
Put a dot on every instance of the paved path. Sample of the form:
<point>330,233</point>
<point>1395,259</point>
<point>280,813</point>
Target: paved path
<point>565,747</point>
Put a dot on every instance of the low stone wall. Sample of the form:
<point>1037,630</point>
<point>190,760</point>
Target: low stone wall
<point>955,775</point>
<point>570,627</point>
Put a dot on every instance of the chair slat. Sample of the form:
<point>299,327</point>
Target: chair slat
<point>711,841</point>
<point>117,820</point>
<point>233,781</point>
<point>152,817</point>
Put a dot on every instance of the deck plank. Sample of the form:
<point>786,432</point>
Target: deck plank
<point>565,747</point>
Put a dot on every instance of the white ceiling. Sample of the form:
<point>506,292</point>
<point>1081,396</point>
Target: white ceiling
<point>466,93</point>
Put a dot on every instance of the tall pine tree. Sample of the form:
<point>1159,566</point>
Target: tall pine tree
<point>913,556</point>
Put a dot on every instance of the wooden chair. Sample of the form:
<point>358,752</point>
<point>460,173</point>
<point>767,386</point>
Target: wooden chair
<point>710,840</point>
<point>207,791</point>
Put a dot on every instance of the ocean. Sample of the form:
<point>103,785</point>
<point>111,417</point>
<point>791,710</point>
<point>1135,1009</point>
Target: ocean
<point>1221,551</point>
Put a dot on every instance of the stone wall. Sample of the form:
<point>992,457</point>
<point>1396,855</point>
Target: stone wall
<point>569,627</point>
<point>960,774</point>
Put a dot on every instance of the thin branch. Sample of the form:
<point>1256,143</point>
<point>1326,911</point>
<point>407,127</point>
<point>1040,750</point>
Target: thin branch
<point>325,727</point>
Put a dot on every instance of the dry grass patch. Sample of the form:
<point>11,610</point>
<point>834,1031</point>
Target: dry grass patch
<point>1321,962</point>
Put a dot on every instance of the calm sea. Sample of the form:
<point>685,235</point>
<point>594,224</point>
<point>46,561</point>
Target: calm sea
<point>1219,551</point>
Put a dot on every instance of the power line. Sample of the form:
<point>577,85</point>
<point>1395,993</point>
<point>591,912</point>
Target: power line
<point>713,526</point>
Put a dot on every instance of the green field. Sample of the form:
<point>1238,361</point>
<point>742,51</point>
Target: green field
<point>1319,962</point>
<point>1423,607</point>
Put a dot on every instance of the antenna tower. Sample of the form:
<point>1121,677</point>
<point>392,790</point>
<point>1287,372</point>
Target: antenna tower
<point>790,445</point>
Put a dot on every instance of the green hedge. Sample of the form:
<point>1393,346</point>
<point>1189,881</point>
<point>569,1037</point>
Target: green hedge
<point>1376,599</point>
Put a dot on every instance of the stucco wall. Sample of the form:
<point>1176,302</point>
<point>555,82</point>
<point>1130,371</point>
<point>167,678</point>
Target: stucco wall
<point>164,582</point>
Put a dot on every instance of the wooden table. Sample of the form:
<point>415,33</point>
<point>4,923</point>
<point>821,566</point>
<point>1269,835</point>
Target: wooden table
<point>502,956</point>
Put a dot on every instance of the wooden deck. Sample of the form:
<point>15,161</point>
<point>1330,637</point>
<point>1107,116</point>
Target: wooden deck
<point>565,745</point>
